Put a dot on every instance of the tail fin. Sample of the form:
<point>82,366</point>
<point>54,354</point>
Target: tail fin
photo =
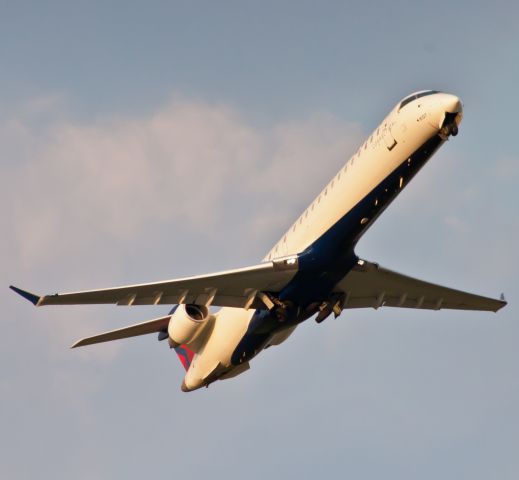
<point>185,354</point>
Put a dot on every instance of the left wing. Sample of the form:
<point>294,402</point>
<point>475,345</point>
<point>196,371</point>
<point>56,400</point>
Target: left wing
<point>370,285</point>
<point>233,288</point>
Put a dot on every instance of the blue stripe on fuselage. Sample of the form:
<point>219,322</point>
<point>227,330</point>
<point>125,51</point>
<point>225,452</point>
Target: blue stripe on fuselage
<point>329,258</point>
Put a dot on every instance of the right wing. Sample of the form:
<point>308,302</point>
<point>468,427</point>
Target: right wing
<point>233,288</point>
<point>370,285</point>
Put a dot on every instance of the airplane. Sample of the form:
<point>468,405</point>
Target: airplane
<point>311,270</point>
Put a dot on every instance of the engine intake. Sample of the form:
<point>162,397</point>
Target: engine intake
<point>186,323</point>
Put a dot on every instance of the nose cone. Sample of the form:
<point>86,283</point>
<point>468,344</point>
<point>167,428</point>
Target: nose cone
<point>451,104</point>
<point>446,114</point>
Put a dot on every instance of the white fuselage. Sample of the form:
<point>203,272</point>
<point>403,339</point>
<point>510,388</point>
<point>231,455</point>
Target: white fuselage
<point>401,133</point>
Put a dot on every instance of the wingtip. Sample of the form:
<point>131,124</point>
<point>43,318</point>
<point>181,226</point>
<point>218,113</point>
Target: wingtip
<point>34,299</point>
<point>504,303</point>
<point>81,343</point>
<point>501,304</point>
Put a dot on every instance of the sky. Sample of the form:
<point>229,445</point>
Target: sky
<point>141,141</point>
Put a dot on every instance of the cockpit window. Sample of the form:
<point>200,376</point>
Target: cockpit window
<point>407,100</point>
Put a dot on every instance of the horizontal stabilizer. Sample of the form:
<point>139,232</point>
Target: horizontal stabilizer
<point>150,326</point>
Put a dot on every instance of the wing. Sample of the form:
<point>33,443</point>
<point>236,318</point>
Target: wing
<point>369,285</point>
<point>233,288</point>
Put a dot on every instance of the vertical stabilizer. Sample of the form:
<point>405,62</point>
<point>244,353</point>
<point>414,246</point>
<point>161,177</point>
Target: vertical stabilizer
<point>185,354</point>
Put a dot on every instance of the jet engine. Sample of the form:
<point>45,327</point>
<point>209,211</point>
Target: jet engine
<point>186,323</point>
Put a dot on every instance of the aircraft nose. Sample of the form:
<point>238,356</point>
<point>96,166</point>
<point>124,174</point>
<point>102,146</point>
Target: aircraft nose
<point>452,104</point>
<point>446,115</point>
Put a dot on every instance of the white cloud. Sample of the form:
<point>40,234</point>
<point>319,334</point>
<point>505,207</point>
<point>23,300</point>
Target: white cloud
<point>183,163</point>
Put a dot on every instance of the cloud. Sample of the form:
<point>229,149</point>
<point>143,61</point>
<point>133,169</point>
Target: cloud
<point>183,163</point>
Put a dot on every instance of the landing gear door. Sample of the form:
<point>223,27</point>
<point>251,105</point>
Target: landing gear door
<point>389,140</point>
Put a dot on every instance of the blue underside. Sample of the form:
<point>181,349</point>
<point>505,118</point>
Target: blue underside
<point>326,261</point>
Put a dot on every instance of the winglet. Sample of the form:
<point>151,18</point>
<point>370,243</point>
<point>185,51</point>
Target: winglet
<point>503,303</point>
<point>34,299</point>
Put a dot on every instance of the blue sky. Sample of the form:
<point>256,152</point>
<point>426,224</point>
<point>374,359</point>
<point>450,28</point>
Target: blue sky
<point>142,142</point>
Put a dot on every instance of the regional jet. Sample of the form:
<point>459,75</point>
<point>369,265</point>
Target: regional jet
<point>311,270</point>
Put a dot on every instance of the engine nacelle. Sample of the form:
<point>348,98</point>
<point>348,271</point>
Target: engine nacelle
<point>186,323</point>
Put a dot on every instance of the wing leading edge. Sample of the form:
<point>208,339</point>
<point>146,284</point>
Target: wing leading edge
<point>370,285</point>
